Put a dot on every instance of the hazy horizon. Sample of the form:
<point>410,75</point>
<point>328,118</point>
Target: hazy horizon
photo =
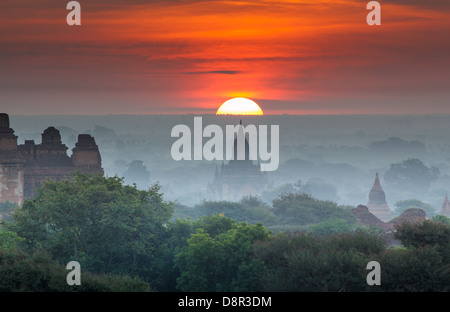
<point>335,155</point>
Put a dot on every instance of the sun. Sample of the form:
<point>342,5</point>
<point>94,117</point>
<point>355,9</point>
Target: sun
<point>239,106</point>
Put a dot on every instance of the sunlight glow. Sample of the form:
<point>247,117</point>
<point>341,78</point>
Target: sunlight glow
<point>239,106</point>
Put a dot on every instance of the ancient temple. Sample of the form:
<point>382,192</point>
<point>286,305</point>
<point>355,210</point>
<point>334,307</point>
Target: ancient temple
<point>445,207</point>
<point>239,177</point>
<point>24,167</point>
<point>11,164</point>
<point>377,201</point>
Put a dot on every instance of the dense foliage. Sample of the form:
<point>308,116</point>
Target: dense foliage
<point>5,209</point>
<point>249,209</point>
<point>221,263</point>
<point>302,208</point>
<point>426,234</point>
<point>98,221</point>
<point>127,240</point>
<point>303,262</point>
<point>39,272</point>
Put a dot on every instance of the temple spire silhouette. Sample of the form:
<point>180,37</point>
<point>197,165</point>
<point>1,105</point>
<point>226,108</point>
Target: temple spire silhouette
<point>377,203</point>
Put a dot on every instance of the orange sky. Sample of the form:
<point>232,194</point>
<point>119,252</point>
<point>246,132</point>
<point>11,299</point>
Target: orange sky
<point>174,56</point>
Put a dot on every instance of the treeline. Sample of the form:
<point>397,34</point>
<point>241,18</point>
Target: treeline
<point>289,211</point>
<point>127,239</point>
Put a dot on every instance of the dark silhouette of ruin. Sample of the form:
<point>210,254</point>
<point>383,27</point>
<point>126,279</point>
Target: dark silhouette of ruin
<point>24,167</point>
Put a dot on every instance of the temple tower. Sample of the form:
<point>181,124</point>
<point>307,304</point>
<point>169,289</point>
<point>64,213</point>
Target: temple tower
<point>240,176</point>
<point>52,152</point>
<point>47,160</point>
<point>86,156</point>
<point>24,168</point>
<point>377,201</point>
<point>11,164</point>
<point>446,207</point>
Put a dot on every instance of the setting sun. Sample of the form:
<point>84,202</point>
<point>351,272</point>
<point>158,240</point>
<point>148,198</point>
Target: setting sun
<point>239,106</point>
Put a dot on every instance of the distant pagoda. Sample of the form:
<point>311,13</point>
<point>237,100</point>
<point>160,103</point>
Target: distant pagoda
<point>446,207</point>
<point>377,201</point>
<point>239,177</point>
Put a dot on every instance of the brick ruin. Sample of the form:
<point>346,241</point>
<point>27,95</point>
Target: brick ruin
<point>24,167</point>
<point>367,218</point>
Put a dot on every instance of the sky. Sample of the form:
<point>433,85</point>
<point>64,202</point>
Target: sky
<point>189,56</point>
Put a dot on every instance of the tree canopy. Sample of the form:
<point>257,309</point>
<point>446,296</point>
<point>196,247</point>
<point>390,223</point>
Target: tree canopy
<point>116,229</point>
<point>411,175</point>
<point>221,263</point>
<point>402,205</point>
<point>302,208</point>
<point>100,222</point>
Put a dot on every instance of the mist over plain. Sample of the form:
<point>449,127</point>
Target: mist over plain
<point>333,157</point>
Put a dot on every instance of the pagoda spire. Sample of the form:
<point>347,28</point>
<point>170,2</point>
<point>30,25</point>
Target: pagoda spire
<point>377,201</point>
<point>376,183</point>
<point>445,207</point>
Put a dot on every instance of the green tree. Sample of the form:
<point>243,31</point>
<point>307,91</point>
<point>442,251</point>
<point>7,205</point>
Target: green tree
<point>331,226</point>
<point>302,209</point>
<point>402,205</point>
<point>411,175</point>
<point>178,234</point>
<point>214,224</point>
<point>255,210</point>
<point>427,233</point>
<point>441,218</point>
<point>6,208</point>
<point>8,239</point>
<point>105,225</point>
<point>304,262</point>
<point>21,272</point>
<point>249,209</point>
<point>221,263</point>
<point>269,195</point>
<point>413,269</point>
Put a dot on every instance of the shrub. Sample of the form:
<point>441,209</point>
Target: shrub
<point>39,273</point>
